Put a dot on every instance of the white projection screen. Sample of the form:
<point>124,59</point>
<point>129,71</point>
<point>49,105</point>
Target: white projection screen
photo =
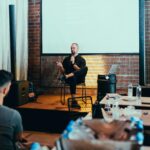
<point>98,26</point>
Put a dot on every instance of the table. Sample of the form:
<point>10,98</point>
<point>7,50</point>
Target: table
<point>146,122</point>
<point>145,117</point>
<point>123,101</point>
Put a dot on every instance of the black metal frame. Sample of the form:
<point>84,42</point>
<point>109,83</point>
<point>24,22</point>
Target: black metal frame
<point>63,91</point>
<point>80,98</point>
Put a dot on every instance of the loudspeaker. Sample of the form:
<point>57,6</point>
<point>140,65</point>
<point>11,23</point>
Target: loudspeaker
<point>96,110</point>
<point>105,84</point>
<point>145,91</point>
<point>18,94</point>
<point>12,27</point>
<point>102,88</point>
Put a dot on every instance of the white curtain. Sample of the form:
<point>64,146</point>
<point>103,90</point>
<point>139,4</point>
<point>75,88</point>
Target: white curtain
<point>21,39</point>
<point>21,16</point>
<point>4,36</point>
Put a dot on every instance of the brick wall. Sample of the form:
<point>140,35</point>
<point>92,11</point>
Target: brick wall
<point>127,72</point>
<point>34,41</point>
<point>41,68</point>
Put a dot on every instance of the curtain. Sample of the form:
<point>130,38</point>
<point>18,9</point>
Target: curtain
<point>21,39</point>
<point>4,36</point>
<point>21,21</point>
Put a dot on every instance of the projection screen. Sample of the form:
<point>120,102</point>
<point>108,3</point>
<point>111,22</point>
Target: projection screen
<point>98,26</point>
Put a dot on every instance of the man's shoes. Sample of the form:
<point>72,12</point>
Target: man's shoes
<point>62,78</point>
<point>74,104</point>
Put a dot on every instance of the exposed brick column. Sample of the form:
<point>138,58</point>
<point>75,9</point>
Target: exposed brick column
<point>34,41</point>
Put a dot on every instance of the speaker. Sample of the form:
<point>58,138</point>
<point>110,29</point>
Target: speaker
<point>96,110</point>
<point>102,88</point>
<point>145,91</point>
<point>105,84</point>
<point>12,27</point>
<point>18,94</point>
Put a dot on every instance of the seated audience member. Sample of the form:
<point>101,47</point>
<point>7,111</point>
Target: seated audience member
<point>74,70</point>
<point>10,120</point>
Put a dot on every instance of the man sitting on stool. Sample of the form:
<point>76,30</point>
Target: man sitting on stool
<point>74,70</point>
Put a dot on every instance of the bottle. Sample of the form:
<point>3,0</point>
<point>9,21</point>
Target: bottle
<point>45,148</point>
<point>136,130</point>
<point>133,121</point>
<point>138,92</point>
<point>35,146</point>
<point>130,90</point>
<point>140,138</point>
<point>139,125</point>
<point>68,129</point>
<point>107,107</point>
<point>115,110</point>
<point>80,131</point>
<point>140,135</point>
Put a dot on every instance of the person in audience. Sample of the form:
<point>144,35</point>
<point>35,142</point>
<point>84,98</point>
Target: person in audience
<point>10,120</point>
<point>74,70</point>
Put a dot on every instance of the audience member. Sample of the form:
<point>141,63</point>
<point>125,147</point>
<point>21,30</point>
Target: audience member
<point>10,120</point>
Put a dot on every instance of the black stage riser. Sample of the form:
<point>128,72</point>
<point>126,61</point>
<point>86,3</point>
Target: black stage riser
<point>52,121</point>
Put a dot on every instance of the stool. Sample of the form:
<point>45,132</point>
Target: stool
<point>63,91</point>
<point>85,103</point>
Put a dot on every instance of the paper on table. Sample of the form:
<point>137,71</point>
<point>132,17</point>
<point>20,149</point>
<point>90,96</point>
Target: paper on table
<point>129,98</point>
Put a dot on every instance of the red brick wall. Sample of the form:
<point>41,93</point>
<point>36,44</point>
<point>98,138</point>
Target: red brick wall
<point>43,72</point>
<point>128,70</point>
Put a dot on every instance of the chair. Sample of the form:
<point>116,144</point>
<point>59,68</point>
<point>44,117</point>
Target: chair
<point>63,91</point>
<point>74,112</point>
<point>85,103</point>
<point>83,71</point>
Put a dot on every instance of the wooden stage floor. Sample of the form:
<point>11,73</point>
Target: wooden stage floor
<point>50,102</point>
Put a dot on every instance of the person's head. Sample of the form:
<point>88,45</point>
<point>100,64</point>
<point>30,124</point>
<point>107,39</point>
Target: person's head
<point>5,81</point>
<point>74,48</point>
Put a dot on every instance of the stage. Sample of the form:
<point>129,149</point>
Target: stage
<point>48,117</point>
<point>53,102</point>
